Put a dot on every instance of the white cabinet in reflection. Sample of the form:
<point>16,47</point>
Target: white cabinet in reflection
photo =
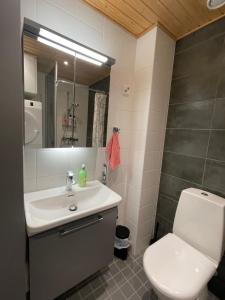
<point>30,74</point>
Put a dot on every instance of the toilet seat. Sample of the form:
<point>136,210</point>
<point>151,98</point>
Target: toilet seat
<point>176,269</point>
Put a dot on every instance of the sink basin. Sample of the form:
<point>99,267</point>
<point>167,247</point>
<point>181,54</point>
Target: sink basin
<point>53,207</point>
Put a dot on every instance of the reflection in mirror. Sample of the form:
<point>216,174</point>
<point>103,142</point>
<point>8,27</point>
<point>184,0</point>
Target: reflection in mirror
<point>66,98</point>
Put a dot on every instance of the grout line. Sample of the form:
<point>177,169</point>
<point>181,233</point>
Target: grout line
<point>210,134</point>
<point>169,198</point>
<point>210,38</point>
<point>214,191</point>
<point>166,220</point>
<point>118,287</point>
<point>201,157</point>
<point>199,72</point>
<point>181,178</point>
<point>201,186</point>
<point>220,98</point>
<point>182,154</point>
<point>193,129</point>
<point>189,102</point>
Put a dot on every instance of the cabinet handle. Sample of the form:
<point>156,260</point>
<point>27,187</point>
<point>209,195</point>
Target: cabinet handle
<point>66,232</point>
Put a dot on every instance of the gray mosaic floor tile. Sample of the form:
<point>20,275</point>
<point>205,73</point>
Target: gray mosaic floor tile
<point>124,284</point>
<point>135,282</point>
<point>112,286</point>
<point>120,278</point>
<point>75,296</point>
<point>85,290</point>
<point>127,290</point>
<point>114,269</point>
<point>135,266</point>
<point>90,297</point>
<point>118,296</point>
<point>101,293</point>
<point>97,282</point>
<point>139,260</point>
<point>127,272</point>
<point>141,292</point>
<point>146,296</point>
<point>141,275</point>
<point>106,274</point>
<point>121,264</point>
<point>134,297</point>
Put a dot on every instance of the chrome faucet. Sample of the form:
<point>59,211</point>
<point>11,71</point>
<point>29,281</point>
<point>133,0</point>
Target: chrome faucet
<point>104,174</point>
<point>69,181</point>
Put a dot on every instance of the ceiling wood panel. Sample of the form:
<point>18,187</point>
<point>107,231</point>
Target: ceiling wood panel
<point>164,16</point>
<point>129,11</point>
<point>178,17</point>
<point>177,10</point>
<point>116,15</point>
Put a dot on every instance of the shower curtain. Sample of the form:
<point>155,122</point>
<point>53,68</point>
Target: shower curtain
<point>99,120</point>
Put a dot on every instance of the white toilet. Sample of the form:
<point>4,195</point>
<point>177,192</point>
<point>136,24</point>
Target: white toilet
<point>180,264</point>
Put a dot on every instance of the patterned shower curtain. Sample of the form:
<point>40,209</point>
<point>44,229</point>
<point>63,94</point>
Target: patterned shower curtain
<point>99,120</point>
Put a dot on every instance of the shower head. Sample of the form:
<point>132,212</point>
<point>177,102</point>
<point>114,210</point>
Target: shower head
<point>214,4</point>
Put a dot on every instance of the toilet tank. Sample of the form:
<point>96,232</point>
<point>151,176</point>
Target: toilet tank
<point>199,221</point>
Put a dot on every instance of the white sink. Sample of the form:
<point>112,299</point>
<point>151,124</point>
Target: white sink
<point>50,208</point>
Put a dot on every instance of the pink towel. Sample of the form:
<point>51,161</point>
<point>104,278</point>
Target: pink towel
<point>113,151</point>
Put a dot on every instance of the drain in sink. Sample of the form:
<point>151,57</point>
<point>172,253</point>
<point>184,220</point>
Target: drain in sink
<point>72,207</point>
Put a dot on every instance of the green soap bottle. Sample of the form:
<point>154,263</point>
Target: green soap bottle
<point>82,176</point>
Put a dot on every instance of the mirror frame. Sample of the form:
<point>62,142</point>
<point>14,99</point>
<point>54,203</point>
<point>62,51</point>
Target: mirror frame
<point>32,29</point>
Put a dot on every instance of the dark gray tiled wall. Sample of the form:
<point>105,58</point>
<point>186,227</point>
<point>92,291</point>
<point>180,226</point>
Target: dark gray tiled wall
<point>194,151</point>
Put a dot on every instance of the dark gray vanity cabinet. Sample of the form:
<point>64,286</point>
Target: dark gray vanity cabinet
<point>64,256</point>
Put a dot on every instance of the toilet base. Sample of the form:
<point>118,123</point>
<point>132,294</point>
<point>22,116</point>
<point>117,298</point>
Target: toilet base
<point>203,295</point>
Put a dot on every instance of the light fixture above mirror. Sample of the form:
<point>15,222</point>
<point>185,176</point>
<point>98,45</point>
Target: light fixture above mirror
<point>64,44</point>
<point>68,51</point>
<point>73,46</point>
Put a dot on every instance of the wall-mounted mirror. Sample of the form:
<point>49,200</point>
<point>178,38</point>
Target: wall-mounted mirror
<point>66,91</point>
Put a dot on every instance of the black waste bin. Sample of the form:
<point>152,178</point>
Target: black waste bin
<point>121,244</point>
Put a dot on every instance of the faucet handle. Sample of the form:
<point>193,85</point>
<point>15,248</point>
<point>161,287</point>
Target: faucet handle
<point>105,168</point>
<point>69,174</point>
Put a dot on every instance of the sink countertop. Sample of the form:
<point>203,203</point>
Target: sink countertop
<point>46,209</point>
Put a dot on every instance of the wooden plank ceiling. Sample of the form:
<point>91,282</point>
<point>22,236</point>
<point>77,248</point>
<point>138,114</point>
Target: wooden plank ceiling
<point>177,17</point>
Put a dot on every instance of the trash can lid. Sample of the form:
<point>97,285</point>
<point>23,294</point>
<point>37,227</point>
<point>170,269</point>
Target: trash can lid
<point>122,232</point>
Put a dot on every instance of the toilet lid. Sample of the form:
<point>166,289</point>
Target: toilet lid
<point>176,269</point>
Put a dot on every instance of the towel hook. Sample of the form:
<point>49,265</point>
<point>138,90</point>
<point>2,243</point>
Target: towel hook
<point>116,129</point>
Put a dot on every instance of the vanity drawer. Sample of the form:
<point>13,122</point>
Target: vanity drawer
<point>63,257</point>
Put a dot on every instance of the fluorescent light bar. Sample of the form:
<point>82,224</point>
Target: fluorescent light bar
<point>60,40</point>
<point>68,51</point>
<point>88,59</point>
<point>56,46</point>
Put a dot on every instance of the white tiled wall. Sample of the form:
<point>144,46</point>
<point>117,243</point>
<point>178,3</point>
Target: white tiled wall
<point>85,25</point>
<point>144,64</point>
<point>159,101</point>
<point>145,52</point>
<point>46,168</point>
<point>154,59</point>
